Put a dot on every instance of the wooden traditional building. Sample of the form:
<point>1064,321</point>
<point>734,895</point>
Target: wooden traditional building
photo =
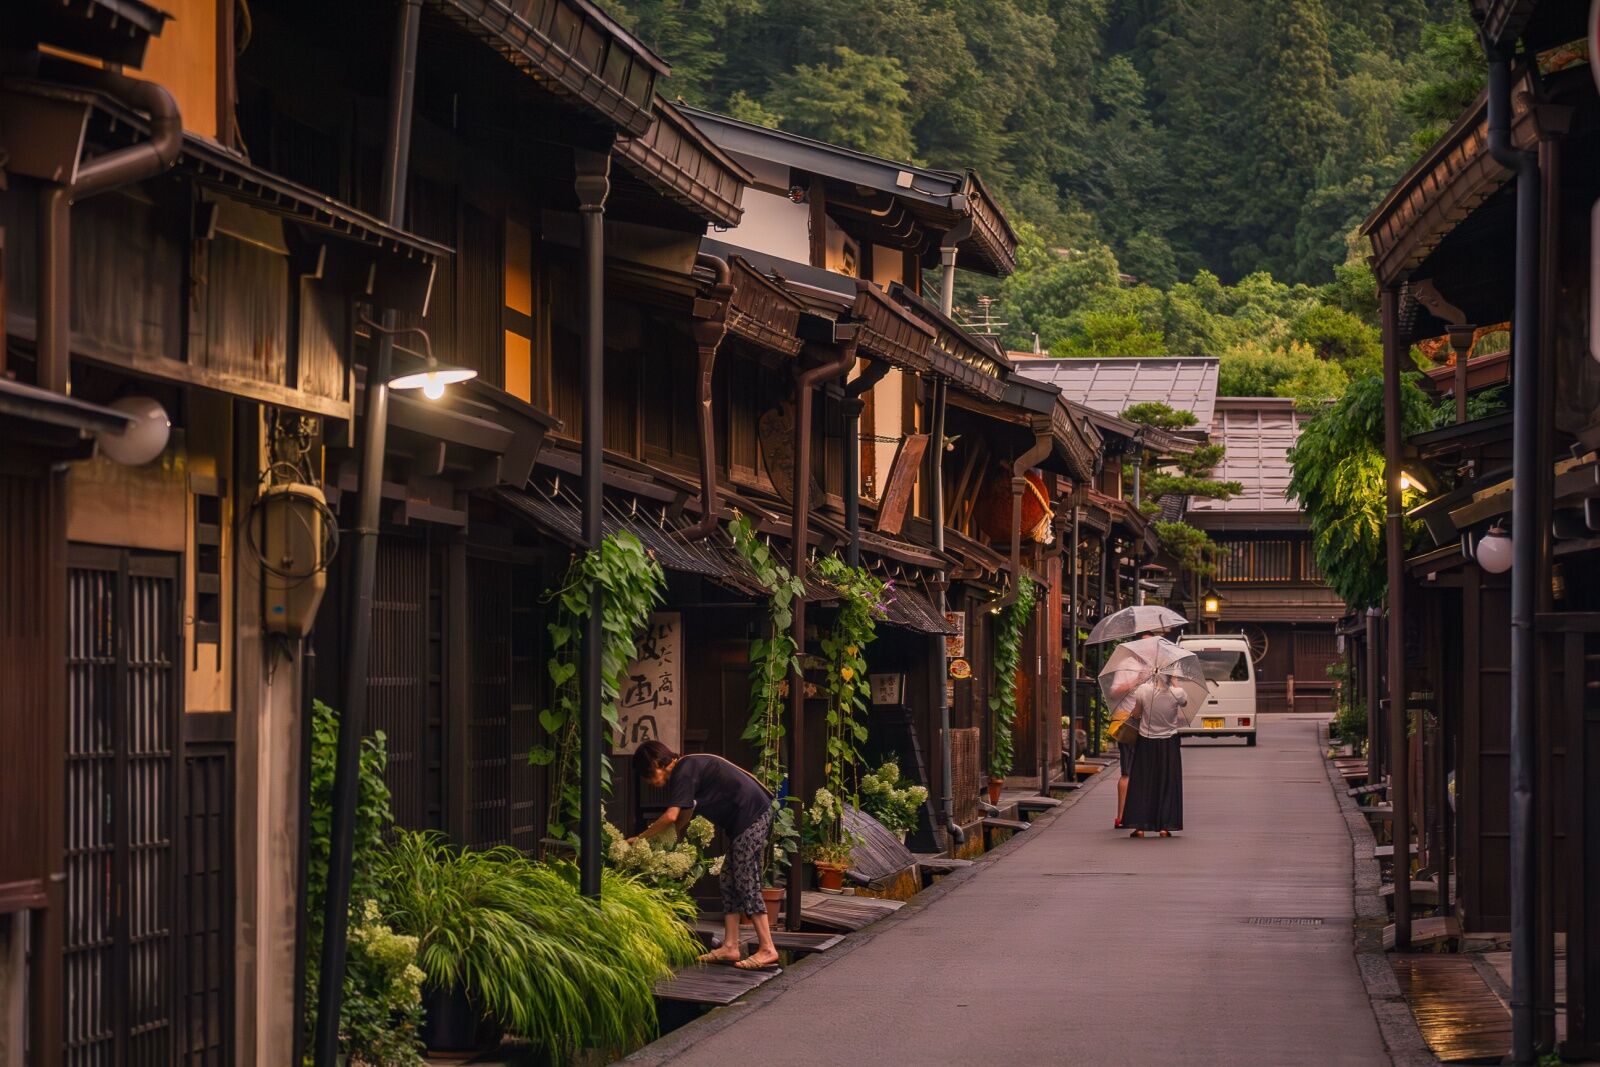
<point>1267,582</point>
<point>1490,653</point>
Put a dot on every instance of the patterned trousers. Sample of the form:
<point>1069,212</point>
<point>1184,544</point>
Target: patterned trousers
<point>741,870</point>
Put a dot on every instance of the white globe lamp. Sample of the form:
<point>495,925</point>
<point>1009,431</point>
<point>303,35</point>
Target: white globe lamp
<point>145,437</point>
<point>1495,551</point>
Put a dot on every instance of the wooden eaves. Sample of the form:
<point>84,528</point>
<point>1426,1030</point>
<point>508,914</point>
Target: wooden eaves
<point>573,49</point>
<point>678,161</point>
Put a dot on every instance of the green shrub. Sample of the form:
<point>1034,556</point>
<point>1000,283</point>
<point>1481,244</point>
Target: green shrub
<point>382,1006</point>
<point>547,963</point>
<point>894,805</point>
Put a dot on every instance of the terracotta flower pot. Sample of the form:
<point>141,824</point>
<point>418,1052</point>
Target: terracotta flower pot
<point>995,785</point>
<point>830,876</point>
<point>772,897</point>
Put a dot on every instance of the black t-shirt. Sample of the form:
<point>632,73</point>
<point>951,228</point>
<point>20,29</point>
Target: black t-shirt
<point>718,790</point>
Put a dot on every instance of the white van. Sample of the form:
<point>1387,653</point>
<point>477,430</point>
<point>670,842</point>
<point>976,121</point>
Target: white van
<point>1231,676</point>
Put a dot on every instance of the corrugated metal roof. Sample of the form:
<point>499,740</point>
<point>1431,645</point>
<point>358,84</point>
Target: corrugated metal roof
<point>1188,383</point>
<point>1257,433</point>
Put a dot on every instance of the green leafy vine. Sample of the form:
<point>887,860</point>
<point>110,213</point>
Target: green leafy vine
<point>1007,654</point>
<point>773,662</point>
<point>630,583</point>
<point>863,601</point>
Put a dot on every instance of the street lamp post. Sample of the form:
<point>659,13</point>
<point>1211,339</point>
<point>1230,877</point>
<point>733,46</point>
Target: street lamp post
<point>380,378</point>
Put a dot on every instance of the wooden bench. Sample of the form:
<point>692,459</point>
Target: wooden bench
<point>1426,933</point>
<point>1460,1017</point>
<point>931,867</point>
<point>1423,894</point>
<point>717,984</point>
<point>1380,812</point>
<point>1367,790</point>
<point>1036,804</point>
<point>847,914</point>
<point>993,825</point>
<point>1386,852</point>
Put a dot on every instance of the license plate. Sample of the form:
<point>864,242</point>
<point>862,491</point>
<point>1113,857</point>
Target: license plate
<point>1211,724</point>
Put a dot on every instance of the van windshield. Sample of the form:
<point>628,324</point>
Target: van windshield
<point>1223,665</point>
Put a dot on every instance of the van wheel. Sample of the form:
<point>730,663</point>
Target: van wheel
<point>1250,741</point>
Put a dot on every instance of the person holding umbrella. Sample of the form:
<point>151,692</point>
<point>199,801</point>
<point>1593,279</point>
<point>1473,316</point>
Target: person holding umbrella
<point>1136,621</point>
<point>1170,681</point>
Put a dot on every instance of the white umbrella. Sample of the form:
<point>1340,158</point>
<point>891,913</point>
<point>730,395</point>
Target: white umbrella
<point>1135,662</point>
<point>1130,622</point>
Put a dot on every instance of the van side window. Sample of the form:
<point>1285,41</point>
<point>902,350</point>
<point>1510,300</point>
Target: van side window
<point>1224,665</point>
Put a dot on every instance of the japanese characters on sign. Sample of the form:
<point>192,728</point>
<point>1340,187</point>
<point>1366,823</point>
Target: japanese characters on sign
<point>887,689</point>
<point>955,642</point>
<point>649,706</point>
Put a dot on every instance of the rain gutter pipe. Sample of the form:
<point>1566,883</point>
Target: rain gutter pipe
<point>840,363</point>
<point>363,540</point>
<point>941,396</point>
<point>708,336</point>
<point>1042,443</point>
<point>1525,551</point>
<point>941,392</point>
<point>102,174</point>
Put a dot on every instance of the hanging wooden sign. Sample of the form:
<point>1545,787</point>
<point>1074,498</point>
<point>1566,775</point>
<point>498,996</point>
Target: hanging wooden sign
<point>649,708</point>
<point>897,489</point>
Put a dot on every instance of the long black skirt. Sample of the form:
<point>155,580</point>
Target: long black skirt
<point>1155,795</point>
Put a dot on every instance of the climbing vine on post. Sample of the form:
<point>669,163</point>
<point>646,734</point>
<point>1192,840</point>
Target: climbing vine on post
<point>1007,655</point>
<point>773,663</point>
<point>630,583</point>
<point>863,601</point>
<point>773,659</point>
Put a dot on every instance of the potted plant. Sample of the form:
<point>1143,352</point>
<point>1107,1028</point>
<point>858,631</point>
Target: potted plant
<point>894,805</point>
<point>828,844</point>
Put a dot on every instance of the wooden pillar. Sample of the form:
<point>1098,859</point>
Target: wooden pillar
<point>1395,351</point>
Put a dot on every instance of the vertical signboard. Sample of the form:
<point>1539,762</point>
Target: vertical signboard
<point>649,706</point>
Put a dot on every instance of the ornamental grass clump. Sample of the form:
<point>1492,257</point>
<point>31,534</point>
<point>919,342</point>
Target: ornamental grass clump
<point>894,805</point>
<point>661,863</point>
<point>547,963</point>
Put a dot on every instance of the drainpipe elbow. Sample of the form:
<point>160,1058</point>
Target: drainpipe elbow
<point>136,162</point>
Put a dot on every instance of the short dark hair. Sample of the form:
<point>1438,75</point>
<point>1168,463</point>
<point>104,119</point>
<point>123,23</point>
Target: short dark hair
<point>650,757</point>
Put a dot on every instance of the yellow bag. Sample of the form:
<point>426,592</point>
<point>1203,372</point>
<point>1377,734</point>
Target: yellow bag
<point>1124,728</point>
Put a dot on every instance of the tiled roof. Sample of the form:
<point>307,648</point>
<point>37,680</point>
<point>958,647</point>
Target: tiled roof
<point>1257,433</point>
<point>1188,383</point>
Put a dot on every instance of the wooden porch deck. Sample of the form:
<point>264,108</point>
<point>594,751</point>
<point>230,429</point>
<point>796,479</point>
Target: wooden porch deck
<point>1460,1017</point>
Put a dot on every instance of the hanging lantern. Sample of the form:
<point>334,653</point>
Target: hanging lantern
<point>1494,551</point>
<point>144,439</point>
<point>993,511</point>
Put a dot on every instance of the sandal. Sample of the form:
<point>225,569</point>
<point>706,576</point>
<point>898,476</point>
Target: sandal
<point>1166,833</point>
<point>749,964</point>
<point>1137,833</point>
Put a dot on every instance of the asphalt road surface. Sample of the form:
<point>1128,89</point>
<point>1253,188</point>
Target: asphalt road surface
<point>1083,946</point>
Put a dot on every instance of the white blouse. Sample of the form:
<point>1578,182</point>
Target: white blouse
<point>1162,709</point>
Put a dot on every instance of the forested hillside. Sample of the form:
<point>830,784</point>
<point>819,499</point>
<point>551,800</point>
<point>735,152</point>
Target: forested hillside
<point>1194,145</point>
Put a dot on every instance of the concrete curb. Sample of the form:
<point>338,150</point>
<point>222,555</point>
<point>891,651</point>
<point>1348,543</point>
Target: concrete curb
<point>1396,1024</point>
<point>681,1040</point>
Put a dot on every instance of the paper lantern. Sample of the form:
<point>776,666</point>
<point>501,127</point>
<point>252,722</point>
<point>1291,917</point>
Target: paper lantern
<point>144,439</point>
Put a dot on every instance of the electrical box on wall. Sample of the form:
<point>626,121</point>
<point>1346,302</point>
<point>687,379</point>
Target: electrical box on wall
<point>295,536</point>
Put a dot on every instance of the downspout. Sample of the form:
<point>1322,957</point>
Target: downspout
<point>363,548</point>
<point>1394,359</point>
<point>871,375</point>
<point>1525,554</point>
<point>709,332</point>
<point>941,395</point>
<point>840,363</point>
<point>1049,701</point>
<point>1074,601</point>
<point>125,166</point>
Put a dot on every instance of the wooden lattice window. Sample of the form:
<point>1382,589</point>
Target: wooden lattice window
<point>1256,561</point>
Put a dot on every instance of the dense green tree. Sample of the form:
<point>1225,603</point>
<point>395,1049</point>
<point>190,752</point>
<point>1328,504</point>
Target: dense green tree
<point>1295,371</point>
<point>857,102</point>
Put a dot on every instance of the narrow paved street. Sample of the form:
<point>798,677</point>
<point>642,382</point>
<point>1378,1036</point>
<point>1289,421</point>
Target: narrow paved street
<point>1083,946</point>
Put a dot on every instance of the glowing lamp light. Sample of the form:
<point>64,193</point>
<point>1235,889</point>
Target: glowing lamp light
<point>1213,605</point>
<point>144,439</point>
<point>1411,483</point>
<point>434,379</point>
<point>1494,552</point>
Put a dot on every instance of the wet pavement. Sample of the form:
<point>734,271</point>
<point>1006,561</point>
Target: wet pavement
<point>1230,943</point>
